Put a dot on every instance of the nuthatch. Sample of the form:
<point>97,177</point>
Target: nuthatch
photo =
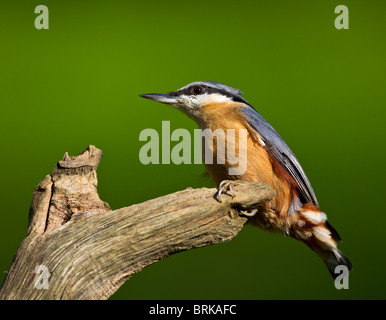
<point>294,210</point>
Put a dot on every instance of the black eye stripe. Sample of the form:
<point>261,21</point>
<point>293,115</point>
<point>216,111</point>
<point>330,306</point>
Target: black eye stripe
<point>206,89</point>
<point>194,90</point>
<point>198,90</point>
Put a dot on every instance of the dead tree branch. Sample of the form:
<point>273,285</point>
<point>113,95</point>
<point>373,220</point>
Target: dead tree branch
<point>89,250</point>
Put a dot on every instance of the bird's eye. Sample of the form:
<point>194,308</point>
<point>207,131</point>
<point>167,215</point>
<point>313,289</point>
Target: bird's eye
<point>197,90</point>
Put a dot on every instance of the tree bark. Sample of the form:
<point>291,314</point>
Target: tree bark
<point>77,248</point>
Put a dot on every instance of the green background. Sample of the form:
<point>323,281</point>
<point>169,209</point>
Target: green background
<point>323,89</point>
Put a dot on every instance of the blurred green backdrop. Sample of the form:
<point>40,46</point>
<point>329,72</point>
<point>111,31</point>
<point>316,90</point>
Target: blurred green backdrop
<point>323,89</point>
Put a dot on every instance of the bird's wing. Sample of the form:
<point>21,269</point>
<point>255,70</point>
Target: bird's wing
<point>282,153</point>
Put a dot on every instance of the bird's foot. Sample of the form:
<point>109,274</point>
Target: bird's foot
<point>226,186</point>
<point>249,213</point>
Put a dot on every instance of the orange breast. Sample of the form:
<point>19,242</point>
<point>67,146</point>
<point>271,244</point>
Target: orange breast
<point>260,165</point>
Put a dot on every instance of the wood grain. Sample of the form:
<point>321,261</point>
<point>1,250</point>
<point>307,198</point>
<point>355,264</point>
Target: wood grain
<point>90,250</point>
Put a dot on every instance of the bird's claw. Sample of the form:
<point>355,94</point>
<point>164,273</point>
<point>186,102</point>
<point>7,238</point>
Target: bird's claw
<point>226,186</point>
<point>249,214</point>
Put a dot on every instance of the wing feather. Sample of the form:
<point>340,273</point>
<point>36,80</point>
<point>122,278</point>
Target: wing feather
<point>282,153</point>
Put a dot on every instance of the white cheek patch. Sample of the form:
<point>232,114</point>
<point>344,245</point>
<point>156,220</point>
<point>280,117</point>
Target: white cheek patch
<point>212,98</point>
<point>191,104</point>
<point>188,102</point>
<point>314,217</point>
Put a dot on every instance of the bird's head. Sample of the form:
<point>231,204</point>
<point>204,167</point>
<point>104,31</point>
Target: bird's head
<point>193,98</point>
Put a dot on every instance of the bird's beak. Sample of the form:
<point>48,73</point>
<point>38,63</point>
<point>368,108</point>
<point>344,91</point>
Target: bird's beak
<point>160,97</point>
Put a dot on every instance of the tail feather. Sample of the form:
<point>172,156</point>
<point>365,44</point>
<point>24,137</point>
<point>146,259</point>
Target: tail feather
<point>331,256</point>
<point>337,258</point>
<point>323,242</point>
<point>335,235</point>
